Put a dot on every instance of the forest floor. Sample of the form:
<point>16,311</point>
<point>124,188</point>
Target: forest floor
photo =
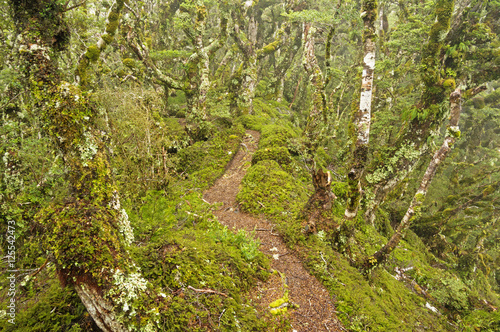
<point>314,307</point>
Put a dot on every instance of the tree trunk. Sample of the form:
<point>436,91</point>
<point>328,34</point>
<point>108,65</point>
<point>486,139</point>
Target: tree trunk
<point>321,201</point>
<point>362,118</point>
<point>440,155</point>
<point>413,142</point>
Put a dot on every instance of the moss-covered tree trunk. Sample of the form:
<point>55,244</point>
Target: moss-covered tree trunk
<point>284,61</point>
<point>362,118</point>
<point>323,197</point>
<point>88,232</point>
<point>451,135</point>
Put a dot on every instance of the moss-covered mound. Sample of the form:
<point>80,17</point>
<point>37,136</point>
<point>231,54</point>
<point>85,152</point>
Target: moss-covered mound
<point>267,188</point>
<point>278,154</point>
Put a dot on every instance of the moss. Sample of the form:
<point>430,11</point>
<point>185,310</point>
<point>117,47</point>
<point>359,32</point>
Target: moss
<point>54,307</point>
<point>204,161</point>
<point>340,189</point>
<point>280,306</point>
<point>111,27</point>
<point>130,63</point>
<point>93,53</point>
<point>113,16</point>
<point>478,102</point>
<point>278,154</point>
<point>202,254</point>
<point>107,38</point>
<point>266,188</point>
<point>449,84</point>
<point>275,136</point>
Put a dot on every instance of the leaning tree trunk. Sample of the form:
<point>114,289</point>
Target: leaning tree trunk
<point>362,118</point>
<point>87,233</point>
<point>451,135</point>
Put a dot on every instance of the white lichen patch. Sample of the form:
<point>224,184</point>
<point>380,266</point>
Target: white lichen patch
<point>127,289</point>
<point>406,151</point>
<point>88,149</point>
<point>123,222</point>
<point>125,228</point>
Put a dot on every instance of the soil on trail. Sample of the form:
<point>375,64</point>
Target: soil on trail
<point>315,310</point>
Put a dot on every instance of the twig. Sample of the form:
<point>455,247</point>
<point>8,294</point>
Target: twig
<point>245,146</point>
<point>223,311</point>
<point>39,269</point>
<point>206,291</point>
<point>72,7</point>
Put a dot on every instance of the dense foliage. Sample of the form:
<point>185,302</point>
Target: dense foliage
<point>117,116</point>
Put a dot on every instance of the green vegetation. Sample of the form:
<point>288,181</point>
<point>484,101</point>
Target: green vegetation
<point>116,117</point>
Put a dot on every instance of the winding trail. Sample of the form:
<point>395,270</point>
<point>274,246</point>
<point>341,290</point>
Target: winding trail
<point>315,310</point>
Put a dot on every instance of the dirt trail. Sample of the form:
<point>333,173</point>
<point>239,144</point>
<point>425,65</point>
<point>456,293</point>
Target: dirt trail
<point>316,310</point>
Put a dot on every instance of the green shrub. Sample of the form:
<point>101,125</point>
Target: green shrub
<point>452,294</point>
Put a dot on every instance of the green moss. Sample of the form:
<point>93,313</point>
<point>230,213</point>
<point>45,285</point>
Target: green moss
<point>266,188</point>
<point>107,38</point>
<point>278,154</point>
<point>199,253</point>
<point>111,27</point>
<point>340,189</point>
<point>276,136</point>
<point>93,53</point>
<point>449,84</point>
<point>478,102</point>
<point>130,63</point>
<point>113,16</point>
<point>204,161</point>
<point>53,308</point>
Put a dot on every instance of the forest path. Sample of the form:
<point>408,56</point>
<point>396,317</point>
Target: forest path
<point>316,310</point>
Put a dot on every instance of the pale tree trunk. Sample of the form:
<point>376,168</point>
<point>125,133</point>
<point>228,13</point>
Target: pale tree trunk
<point>451,135</point>
<point>362,118</point>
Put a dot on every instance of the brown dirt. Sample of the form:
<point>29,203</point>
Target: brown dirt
<point>316,309</point>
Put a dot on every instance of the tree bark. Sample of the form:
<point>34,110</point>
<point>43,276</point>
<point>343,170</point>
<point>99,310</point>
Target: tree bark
<point>362,118</point>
